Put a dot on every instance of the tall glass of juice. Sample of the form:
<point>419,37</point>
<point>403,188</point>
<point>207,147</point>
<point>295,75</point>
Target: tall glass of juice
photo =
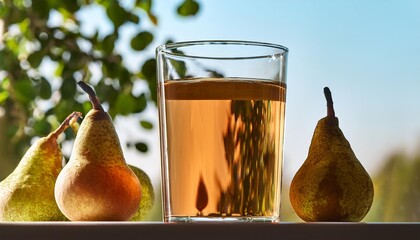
<point>221,120</point>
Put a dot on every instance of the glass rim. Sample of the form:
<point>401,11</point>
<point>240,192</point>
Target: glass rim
<point>167,48</point>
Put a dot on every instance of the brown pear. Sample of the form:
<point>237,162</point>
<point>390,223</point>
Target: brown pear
<point>97,184</point>
<point>331,185</point>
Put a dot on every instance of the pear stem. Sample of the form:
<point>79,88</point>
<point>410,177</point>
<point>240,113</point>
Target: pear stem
<point>66,123</point>
<point>330,107</point>
<point>96,104</point>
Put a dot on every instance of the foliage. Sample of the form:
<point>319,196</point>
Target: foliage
<point>255,192</point>
<point>33,103</point>
<point>397,190</point>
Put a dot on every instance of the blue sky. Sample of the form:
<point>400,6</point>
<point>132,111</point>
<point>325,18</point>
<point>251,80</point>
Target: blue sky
<point>367,52</point>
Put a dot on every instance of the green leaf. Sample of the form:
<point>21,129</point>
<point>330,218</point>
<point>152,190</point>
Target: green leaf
<point>188,8</point>
<point>108,43</point>
<point>124,104</point>
<point>15,15</point>
<point>70,6</point>
<point>62,108</point>
<point>180,68</point>
<point>112,68</point>
<point>77,61</point>
<point>68,88</point>
<point>4,95</point>
<point>59,70</point>
<point>146,5</point>
<point>3,58</point>
<point>149,68</point>
<point>133,18</point>
<point>86,106</point>
<point>13,46</point>
<point>35,59</point>
<point>12,130</point>
<point>45,91</point>
<point>106,92</point>
<point>141,40</point>
<point>149,72</point>
<point>41,8</point>
<point>140,103</point>
<point>124,77</point>
<point>24,26</point>
<point>24,91</point>
<point>153,92</point>
<point>117,14</point>
<point>142,147</point>
<point>42,127</point>
<point>3,9</point>
<point>146,125</point>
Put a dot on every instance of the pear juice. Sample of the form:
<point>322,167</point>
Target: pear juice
<point>223,145</point>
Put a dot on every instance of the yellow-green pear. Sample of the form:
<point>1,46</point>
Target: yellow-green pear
<point>97,184</point>
<point>147,195</point>
<point>27,194</point>
<point>331,185</point>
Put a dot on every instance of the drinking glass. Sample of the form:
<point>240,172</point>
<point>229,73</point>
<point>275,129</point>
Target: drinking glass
<point>221,121</point>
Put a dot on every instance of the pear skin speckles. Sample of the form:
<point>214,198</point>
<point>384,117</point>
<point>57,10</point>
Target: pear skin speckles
<point>331,185</point>
<point>97,184</point>
<point>27,194</point>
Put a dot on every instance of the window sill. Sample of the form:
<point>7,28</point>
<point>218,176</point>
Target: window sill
<point>202,231</point>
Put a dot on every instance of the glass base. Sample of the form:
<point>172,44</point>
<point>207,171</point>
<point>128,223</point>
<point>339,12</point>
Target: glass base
<point>220,219</point>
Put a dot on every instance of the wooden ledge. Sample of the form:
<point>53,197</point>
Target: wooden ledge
<point>203,231</point>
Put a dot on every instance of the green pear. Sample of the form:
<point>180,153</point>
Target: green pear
<point>147,196</point>
<point>331,185</point>
<point>27,194</point>
<point>97,184</point>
